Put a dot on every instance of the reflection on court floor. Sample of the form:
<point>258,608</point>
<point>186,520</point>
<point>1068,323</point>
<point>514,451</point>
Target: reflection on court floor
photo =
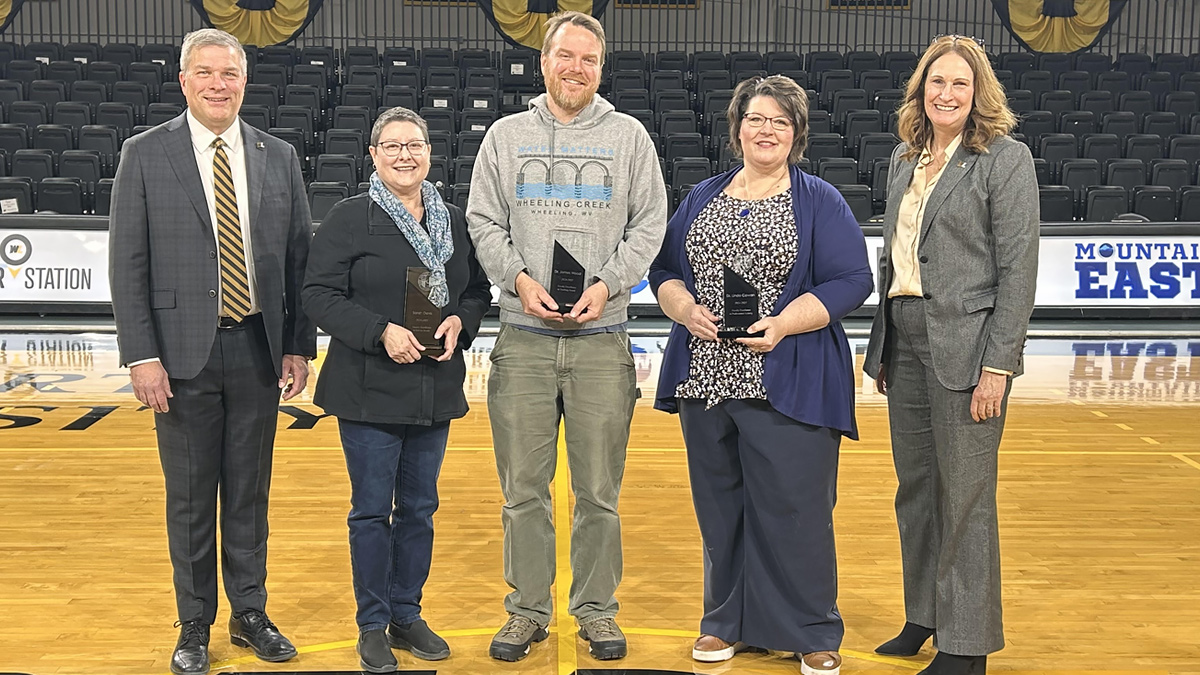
<point>44,367</point>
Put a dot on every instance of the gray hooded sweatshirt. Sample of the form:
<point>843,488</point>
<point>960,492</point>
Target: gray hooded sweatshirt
<point>593,185</point>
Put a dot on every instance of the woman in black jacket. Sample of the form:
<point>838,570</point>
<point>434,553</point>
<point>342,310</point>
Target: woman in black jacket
<point>394,389</point>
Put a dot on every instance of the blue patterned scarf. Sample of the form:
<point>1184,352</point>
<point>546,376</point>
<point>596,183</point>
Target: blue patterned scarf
<point>435,247</point>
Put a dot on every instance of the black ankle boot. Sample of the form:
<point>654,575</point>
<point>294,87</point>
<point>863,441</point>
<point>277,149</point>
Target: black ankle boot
<point>950,664</point>
<point>908,642</point>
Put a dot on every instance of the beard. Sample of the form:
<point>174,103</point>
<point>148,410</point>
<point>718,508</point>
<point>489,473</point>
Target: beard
<point>562,99</point>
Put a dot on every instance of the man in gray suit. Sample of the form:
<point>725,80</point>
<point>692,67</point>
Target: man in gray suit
<point>208,242</point>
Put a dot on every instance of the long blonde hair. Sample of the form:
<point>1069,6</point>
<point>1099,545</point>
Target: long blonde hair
<point>990,115</point>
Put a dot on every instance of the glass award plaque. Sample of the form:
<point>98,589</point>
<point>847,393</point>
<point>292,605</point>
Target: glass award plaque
<point>421,316</point>
<point>566,279</point>
<point>741,306</point>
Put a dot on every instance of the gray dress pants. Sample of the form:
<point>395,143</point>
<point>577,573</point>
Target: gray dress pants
<point>215,444</point>
<point>946,500</point>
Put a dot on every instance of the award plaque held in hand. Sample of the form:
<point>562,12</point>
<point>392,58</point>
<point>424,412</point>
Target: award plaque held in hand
<point>566,279</point>
<point>741,307</point>
<point>421,316</point>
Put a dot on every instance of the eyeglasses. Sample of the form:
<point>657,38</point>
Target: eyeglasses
<point>956,38</point>
<point>755,121</point>
<point>392,148</point>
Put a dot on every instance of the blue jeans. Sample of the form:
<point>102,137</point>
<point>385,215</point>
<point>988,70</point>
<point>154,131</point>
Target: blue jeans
<point>393,494</point>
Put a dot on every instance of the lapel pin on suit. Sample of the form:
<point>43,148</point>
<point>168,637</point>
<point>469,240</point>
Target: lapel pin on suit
<point>962,165</point>
<point>260,145</point>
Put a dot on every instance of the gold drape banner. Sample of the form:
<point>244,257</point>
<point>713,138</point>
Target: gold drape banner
<point>1058,26</point>
<point>522,23</point>
<point>9,9</point>
<point>259,22</point>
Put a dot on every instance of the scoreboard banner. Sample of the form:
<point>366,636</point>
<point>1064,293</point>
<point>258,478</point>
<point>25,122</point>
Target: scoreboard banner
<point>1094,266</point>
<point>54,266</point>
<point>1113,271</point>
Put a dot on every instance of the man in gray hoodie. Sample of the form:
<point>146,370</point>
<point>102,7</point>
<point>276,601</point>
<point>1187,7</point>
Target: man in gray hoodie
<point>574,172</point>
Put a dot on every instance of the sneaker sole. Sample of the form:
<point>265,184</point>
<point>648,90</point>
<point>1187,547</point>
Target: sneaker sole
<point>715,656</point>
<point>513,653</point>
<point>606,652</point>
<point>806,670</point>
<point>241,642</point>
<point>378,669</point>
<point>397,643</point>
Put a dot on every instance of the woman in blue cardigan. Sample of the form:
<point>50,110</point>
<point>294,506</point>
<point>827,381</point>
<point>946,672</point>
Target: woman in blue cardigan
<point>763,417</point>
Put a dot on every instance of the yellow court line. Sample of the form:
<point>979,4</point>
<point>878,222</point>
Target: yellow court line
<point>1187,460</point>
<point>1097,413</point>
<point>1126,427</point>
<point>568,661</point>
<point>1150,441</point>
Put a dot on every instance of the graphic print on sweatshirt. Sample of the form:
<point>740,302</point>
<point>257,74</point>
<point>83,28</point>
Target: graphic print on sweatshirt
<point>571,180</point>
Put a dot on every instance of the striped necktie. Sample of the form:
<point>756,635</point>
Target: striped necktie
<point>235,282</point>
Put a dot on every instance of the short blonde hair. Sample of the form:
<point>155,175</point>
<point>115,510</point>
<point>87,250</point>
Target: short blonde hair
<point>580,19</point>
<point>990,115</point>
<point>790,98</point>
<point>209,37</point>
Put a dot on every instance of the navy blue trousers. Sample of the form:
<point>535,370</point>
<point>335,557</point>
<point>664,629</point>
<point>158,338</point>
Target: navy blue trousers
<point>764,487</point>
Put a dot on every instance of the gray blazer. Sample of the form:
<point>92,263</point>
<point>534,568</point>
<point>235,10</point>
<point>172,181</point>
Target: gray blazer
<point>978,252</point>
<point>163,256</point>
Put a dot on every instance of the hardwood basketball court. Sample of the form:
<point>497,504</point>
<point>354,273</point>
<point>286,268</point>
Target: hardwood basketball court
<point>1099,498</point>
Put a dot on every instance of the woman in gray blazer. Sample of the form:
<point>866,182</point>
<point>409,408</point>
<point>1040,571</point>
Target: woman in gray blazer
<point>956,287</point>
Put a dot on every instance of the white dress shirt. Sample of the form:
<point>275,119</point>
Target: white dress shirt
<point>202,146</point>
<point>906,269</point>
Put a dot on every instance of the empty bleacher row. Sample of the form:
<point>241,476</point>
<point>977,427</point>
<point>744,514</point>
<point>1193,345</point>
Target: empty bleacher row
<point>1108,135</point>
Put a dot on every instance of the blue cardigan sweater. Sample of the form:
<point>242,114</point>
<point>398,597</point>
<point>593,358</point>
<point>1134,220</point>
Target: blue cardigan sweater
<point>808,377</point>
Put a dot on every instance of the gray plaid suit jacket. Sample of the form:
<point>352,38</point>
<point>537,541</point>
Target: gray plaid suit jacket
<point>163,257</point>
<point>979,254</point>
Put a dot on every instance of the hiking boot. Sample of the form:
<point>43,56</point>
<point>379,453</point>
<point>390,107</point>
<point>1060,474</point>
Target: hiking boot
<point>513,641</point>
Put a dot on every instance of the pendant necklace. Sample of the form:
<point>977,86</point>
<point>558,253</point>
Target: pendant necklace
<point>745,211</point>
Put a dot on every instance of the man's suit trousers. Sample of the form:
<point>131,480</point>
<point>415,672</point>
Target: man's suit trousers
<point>216,440</point>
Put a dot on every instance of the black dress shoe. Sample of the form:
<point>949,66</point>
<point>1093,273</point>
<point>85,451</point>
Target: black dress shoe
<point>374,655</point>
<point>418,638</point>
<point>253,629</point>
<point>951,664</point>
<point>191,651</point>
<point>908,642</point>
